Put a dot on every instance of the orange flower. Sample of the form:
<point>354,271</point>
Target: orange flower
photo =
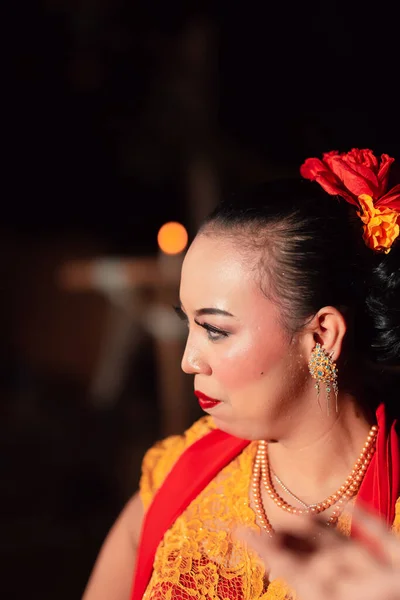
<point>381,225</point>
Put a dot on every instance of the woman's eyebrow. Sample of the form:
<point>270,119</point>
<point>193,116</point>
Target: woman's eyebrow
<point>212,311</point>
<point>202,311</point>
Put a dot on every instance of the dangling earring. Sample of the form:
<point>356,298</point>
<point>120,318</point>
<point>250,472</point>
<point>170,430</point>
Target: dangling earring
<point>323,369</point>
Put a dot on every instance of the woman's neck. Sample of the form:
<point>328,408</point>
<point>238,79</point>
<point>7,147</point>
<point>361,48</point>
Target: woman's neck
<point>320,453</point>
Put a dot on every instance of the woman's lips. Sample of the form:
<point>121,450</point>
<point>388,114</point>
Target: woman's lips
<point>205,401</point>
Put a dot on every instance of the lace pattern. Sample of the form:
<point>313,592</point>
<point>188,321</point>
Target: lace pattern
<point>197,558</point>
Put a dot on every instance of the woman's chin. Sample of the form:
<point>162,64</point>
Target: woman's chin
<point>237,429</point>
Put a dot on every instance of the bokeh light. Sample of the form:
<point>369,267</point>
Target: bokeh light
<point>172,238</point>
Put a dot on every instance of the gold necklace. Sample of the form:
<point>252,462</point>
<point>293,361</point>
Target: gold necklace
<point>286,489</point>
<point>262,475</point>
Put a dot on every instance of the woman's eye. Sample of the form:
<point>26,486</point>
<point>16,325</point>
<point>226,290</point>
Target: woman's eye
<point>213,333</point>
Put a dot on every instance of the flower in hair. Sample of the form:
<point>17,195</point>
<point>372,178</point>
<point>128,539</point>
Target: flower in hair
<point>361,179</point>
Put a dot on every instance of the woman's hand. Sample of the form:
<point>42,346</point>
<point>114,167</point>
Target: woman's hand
<point>320,564</point>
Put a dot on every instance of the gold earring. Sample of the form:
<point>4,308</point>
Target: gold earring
<point>324,370</point>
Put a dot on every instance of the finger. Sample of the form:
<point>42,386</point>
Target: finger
<point>293,559</point>
<point>324,568</point>
<point>278,562</point>
<point>287,552</point>
<point>371,523</point>
<point>261,543</point>
<point>375,586</point>
<point>315,529</point>
<point>306,536</point>
<point>299,560</point>
<point>301,541</point>
<point>373,532</point>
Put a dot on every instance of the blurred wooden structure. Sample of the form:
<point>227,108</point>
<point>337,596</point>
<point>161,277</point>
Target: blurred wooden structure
<point>139,292</point>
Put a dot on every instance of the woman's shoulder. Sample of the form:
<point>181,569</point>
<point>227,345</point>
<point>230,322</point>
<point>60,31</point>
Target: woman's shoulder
<point>161,457</point>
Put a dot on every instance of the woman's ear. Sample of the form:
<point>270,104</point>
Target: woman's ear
<point>328,328</point>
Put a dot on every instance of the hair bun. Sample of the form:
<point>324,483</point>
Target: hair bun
<point>383,306</point>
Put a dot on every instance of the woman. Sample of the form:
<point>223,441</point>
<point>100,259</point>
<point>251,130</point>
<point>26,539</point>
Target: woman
<point>281,284</point>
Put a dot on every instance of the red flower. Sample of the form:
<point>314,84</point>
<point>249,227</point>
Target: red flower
<point>351,174</point>
<point>354,174</point>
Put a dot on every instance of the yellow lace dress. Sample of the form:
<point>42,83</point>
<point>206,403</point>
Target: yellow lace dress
<point>197,558</point>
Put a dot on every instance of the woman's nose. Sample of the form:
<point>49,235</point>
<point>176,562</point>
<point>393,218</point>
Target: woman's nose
<point>194,361</point>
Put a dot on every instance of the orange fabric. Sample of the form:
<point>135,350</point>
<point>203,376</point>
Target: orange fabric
<point>396,522</point>
<point>195,489</point>
<point>197,559</point>
<point>195,468</point>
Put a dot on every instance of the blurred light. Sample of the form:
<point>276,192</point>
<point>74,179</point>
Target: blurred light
<point>172,238</point>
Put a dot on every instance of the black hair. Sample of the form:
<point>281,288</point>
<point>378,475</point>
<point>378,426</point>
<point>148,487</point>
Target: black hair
<point>312,255</point>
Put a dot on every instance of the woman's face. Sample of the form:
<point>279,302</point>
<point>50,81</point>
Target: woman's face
<point>236,347</point>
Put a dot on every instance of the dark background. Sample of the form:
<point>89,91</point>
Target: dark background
<point>108,104</point>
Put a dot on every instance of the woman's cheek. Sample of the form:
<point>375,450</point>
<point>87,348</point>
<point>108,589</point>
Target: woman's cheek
<point>248,361</point>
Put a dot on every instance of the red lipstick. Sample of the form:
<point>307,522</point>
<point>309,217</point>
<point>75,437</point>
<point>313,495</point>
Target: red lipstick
<point>205,401</point>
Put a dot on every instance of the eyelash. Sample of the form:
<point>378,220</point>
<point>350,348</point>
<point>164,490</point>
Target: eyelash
<point>214,334</point>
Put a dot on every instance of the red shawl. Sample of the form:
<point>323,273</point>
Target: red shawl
<point>380,488</point>
<point>201,462</point>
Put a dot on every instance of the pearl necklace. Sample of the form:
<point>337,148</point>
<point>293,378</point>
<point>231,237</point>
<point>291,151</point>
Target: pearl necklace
<point>262,475</point>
